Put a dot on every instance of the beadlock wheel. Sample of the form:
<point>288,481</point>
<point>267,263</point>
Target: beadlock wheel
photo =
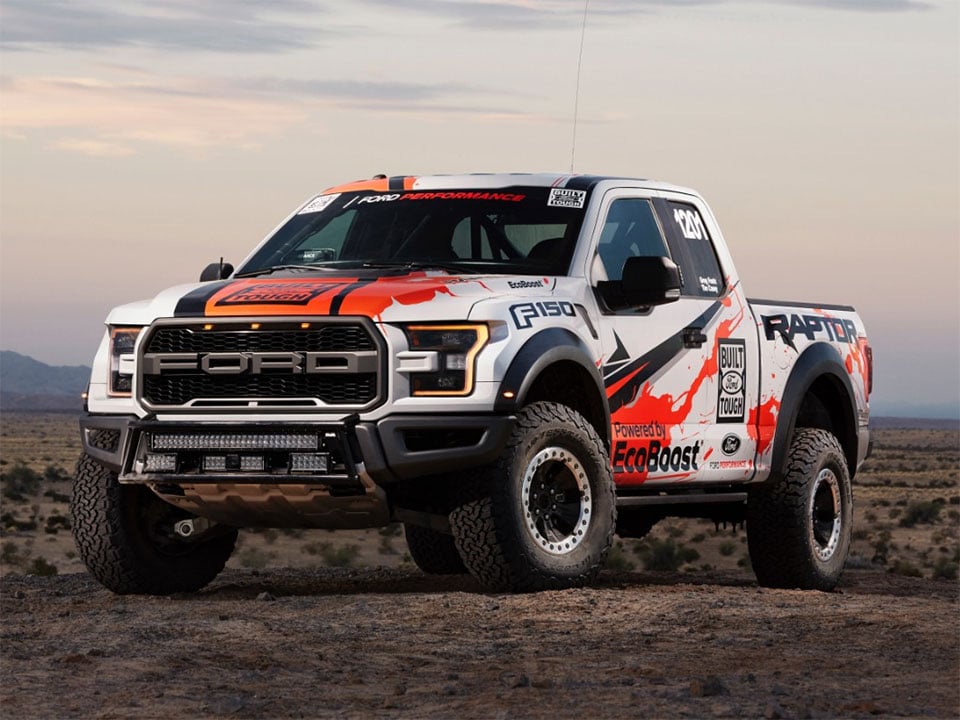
<point>825,520</point>
<point>556,496</point>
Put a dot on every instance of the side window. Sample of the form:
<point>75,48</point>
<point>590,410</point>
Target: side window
<point>693,249</point>
<point>630,229</point>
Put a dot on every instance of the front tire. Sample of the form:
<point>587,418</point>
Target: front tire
<point>543,516</point>
<point>124,534</point>
<point>434,552</point>
<point>799,528</point>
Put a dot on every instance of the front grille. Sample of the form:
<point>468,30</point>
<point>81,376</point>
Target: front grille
<point>336,386</point>
<point>330,338</point>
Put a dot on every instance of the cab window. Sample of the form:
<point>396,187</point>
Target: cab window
<point>630,230</point>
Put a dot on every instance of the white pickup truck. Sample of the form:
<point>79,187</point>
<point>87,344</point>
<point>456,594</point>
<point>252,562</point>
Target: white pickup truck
<point>515,366</point>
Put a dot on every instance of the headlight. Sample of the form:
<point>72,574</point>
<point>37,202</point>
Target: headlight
<point>456,347</point>
<point>122,360</point>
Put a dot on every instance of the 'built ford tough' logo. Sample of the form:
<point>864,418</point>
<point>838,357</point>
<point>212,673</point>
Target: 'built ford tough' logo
<point>733,374</point>
<point>257,363</point>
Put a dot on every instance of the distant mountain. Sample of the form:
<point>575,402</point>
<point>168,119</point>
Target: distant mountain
<point>26,383</point>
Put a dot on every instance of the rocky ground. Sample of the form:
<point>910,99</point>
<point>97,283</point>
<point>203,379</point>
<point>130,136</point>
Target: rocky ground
<point>335,642</point>
<point>322,624</point>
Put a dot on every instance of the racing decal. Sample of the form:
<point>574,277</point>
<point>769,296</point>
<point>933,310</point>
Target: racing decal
<point>628,458</point>
<point>624,380</point>
<point>327,296</point>
<point>632,401</point>
<point>810,326</point>
<point>524,314</point>
<point>194,302</point>
<point>378,184</point>
<point>690,224</point>
<point>319,203</point>
<point>732,388</point>
<point>274,293</point>
<point>567,198</point>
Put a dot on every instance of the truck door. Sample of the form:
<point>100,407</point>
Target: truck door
<point>680,378</point>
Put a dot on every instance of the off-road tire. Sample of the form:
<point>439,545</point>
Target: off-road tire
<point>434,552</point>
<point>799,527</point>
<point>502,543</point>
<point>124,536</point>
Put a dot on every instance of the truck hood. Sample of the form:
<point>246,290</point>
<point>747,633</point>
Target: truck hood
<point>414,296</point>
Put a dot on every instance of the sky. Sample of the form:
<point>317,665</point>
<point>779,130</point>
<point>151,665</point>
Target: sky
<point>140,141</point>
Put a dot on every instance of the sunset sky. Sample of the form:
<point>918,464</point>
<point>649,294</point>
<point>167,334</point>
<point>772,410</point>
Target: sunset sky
<point>142,140</point>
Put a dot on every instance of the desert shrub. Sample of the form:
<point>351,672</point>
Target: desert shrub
<point>894,513</point>
<point>675,532</point>
<point>617,559</point>
<point>386,545</point>
<point>924,512</point>
<point>40,566</point>
<point>727,548</point>
<point>698,538</point>
<point>56,474</point>
<point>334,555</point>
<point>56,523</point>
<point>57,497</point>
<point>905,567</point>
<point>861,534</point>
<point>881,548</point>
<point>857,562</point>
<point>666,555</point>
<point>255,558</point>
<point>11,555</point>
<point>19,482</point>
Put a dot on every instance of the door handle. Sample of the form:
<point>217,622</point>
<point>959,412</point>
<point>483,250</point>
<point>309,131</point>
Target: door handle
<point>693,337</point>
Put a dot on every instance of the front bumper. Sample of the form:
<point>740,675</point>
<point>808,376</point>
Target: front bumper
<point>398,447</point>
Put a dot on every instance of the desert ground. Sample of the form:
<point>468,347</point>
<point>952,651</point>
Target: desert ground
<point>324,624</point>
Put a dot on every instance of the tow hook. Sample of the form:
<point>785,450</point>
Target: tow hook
<point>188,529</point>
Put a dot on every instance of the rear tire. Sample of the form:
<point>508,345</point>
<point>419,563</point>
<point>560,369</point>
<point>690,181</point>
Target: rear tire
<point>434,552</point>
<point>543,516</point>
<point>799,528</point>
<point>124,534</point>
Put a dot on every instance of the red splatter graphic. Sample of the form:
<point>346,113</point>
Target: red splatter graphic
<point>762,424</point>
<point>672,413</point>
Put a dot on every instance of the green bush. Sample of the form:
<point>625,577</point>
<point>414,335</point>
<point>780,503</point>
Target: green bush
<point>727,548</point>
<point>946,569</point>
<point>666,555</point>
<point>39,566</point>
<point>617,559</point>
<point>905,567</point>
<point>19,482</point>
<point>924,512</point>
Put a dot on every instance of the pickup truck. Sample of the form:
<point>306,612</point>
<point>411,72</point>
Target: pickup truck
<point>514,366</point>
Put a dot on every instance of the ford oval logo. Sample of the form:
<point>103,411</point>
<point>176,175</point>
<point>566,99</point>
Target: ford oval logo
<point>732,382</point>
<point>730,444</point>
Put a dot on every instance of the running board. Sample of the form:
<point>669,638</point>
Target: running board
<point>685,499</point>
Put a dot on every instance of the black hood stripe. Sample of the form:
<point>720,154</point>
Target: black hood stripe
<point>194,303</point>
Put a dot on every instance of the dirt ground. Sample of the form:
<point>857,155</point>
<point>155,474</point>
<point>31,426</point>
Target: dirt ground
<point>342,624</point>
<point>338,642</point>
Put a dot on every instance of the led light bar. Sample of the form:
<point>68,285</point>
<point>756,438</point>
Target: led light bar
<point>160,463</point>
<point>234,441</point>
<point>214,463</point>
<point>308,462</point>
<point>249,463</point>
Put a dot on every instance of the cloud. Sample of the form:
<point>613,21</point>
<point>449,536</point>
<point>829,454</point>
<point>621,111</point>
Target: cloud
<point>243,26</point>
<point>548,14</point>
<point>99,117</point>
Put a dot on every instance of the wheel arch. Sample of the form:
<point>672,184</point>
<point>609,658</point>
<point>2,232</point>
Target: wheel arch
<point>818,394</point>
<point>555,365</point>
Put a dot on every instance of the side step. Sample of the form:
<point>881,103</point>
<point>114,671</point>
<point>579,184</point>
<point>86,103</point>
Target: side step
<point>682,499</point>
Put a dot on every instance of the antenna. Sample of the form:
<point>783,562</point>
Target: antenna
<point>576,97</point>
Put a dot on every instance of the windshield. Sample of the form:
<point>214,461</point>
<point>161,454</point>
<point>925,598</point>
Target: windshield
<point>518,230</point>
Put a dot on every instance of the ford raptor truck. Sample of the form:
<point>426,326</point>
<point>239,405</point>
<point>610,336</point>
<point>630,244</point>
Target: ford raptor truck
<point>514,366</point>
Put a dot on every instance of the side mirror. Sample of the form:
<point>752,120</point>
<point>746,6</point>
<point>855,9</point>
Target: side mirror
<point>216,271</point>
<point>646,281</point>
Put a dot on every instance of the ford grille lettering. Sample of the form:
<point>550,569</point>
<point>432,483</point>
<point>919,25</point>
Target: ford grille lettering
<point>257,363</point>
